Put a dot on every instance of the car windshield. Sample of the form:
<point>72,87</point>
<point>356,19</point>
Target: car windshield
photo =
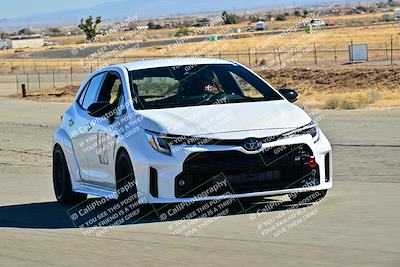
<point>182,86</point>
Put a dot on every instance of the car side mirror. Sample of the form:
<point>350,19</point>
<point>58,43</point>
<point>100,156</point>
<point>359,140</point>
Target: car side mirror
<point>99,109</point>
<point>290,94</point>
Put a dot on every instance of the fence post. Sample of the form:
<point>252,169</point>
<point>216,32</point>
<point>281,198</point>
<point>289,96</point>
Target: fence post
<point>391,50</point>
<point>279,56</point>
<point>38,74</point>
<point>54,81</point>
<point>351,51</point>
<point>23,90</point>
<point>315,55</point>
<point>334,49</point>
<point>16,78</point>
<point>71,77</point>
<point>295,56</point>
<point>387,51</point>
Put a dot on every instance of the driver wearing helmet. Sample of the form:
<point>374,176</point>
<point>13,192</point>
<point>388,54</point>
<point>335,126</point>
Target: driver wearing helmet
<point>201,84</point>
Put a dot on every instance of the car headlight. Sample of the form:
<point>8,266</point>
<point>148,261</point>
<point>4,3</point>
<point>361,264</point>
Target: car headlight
<point>312,128</point>
<point>158,142</point>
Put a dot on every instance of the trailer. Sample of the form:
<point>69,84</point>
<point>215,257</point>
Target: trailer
<point>25,41</point>
<point>260,26</point>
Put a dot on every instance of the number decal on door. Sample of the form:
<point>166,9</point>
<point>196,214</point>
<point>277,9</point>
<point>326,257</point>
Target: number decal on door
<point>102,147</point>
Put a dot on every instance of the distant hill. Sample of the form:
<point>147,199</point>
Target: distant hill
<point>115,10</point>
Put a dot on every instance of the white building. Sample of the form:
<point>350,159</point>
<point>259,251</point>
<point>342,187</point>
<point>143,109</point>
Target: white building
<point>25,41</point>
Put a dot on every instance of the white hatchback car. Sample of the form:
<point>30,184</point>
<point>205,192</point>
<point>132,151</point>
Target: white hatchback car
<point>183,130</point>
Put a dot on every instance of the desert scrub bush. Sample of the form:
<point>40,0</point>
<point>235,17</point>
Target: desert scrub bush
<point>183,32</point>
<point>354,102</point>
<point>374,95</point>
<point>348,104</point>
<point>333,102</point>
<point>359,101</point>
<point>362,100</point>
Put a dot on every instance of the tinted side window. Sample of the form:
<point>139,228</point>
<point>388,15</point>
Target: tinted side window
<point>111,89</point>
<point>248,89</point>
<point>82,96</point>
<point>92,92</point>
<point>121,105</point>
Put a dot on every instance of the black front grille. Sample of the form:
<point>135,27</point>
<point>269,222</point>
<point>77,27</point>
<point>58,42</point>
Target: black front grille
<point>174,140</point>
<point>275,168</point>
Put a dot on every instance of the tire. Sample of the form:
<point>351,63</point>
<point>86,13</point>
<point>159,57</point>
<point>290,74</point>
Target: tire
<point>62,180</point>
<point>308,197</point>
<point>125,177</point>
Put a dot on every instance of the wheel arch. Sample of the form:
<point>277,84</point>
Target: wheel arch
<point>122,146</point>
<point>119,150</point>
<point>63,140</point>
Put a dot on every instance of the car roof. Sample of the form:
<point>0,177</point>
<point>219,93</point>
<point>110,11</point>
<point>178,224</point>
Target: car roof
<point>169,62</point>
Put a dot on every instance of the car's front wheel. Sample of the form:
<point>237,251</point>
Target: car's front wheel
<point>125,178</point>
<point>62,180</point>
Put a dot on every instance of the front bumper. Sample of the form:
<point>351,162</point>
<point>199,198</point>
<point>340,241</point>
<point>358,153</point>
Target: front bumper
<point>197,173</point>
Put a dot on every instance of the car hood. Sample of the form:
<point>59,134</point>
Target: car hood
<point>238,120</point>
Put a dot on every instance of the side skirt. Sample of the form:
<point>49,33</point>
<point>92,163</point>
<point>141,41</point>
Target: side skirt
<point>100,192</point>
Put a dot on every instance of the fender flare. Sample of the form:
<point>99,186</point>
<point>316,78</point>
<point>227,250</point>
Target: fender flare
<point>62,139</point>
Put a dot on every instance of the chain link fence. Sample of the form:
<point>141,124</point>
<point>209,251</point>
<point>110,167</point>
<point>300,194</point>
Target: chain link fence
<point>37,82</point>
<point>42,74</point>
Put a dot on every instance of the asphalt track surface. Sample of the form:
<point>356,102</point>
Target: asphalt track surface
<point>357,224</point>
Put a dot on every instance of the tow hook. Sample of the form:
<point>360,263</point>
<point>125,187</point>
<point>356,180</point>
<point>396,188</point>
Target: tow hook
<point>311,162</point>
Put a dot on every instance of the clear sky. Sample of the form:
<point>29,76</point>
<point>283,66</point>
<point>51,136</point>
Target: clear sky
<point>21,8</point>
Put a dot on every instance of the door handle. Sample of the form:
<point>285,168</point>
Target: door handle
<point>89,127</point>
<point>71,122</point>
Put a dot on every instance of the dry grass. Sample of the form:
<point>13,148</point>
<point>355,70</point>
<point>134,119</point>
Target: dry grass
<point>377,36</point>
<point>356,100</point>
<point>41,65</point>
<point>341,87</point>
<point>277,25</point>
<point>360,100</point>
<point>341,79</point>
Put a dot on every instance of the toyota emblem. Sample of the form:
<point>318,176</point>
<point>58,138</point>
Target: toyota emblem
<point>252,144</point>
